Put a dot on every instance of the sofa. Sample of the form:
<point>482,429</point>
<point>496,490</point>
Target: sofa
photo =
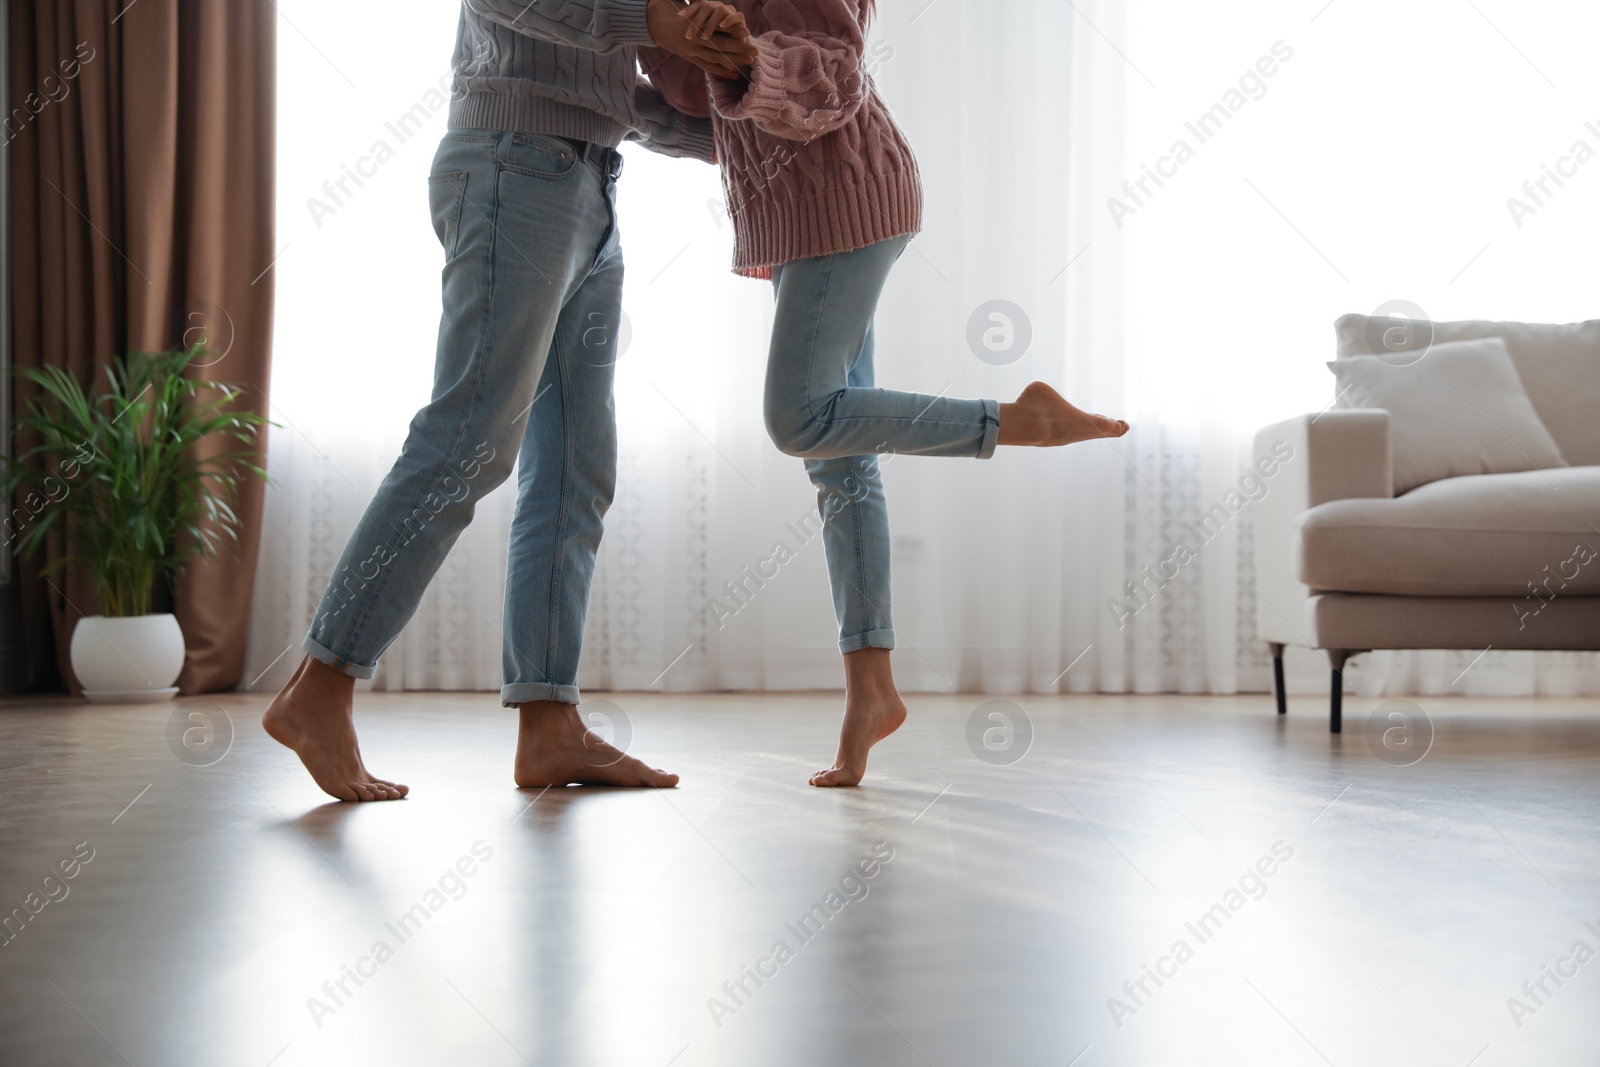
<point>1348,561</point>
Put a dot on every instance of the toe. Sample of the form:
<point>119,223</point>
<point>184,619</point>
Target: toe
<point>838,776</point>
<point>377,791</point>
<point>363,791</point>
<point>1108,427</point>
<point>656,778</point>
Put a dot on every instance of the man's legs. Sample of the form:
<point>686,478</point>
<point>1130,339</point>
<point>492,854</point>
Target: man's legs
<point>566,478</point>
<point>522,221</point>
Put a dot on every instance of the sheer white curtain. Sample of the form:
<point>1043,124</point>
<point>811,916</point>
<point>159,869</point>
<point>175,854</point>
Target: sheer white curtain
<point>1368,159</point>
<point>1002,568</point>
<point>1200,318</point>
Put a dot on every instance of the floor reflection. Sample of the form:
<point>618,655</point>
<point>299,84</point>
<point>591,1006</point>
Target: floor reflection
<point>952,912</point>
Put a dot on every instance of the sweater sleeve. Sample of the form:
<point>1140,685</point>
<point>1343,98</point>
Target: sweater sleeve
<point>594,25</point>
<point>806,81</point>
<point>668,129</point>
<point>681,82</point>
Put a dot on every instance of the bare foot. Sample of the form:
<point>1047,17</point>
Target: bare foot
<point>1043,418</point>
<point>866,722</point>
<point>314,716</point>
<point>555,748</point>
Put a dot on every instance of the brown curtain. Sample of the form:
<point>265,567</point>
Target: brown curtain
<point>141,141</point>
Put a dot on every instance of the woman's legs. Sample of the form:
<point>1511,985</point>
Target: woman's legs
<point>855,528</point>
<point>824,316</point>
<point>814,409</point>
<point>821,403</point>
<point>855,538</point>
<point>820,400</point>
<point>872,711</point>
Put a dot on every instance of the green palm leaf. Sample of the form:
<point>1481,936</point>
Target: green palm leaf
<point>113,472</point>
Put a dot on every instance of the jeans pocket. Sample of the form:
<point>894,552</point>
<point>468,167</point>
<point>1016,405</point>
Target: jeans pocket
<point>541,156</point>
<point>446,194</point>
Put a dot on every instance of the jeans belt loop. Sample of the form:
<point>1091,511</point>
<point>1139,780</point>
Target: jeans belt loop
<point>609,160</point>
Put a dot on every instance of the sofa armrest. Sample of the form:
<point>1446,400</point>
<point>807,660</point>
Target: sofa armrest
<point>1307,461</point>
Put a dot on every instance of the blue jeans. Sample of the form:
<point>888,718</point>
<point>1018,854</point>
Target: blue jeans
<point>821,405</point>
<point>523,373</point>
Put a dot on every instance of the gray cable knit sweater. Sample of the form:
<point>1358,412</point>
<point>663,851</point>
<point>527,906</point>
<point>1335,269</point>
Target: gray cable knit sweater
<point>566,68</point>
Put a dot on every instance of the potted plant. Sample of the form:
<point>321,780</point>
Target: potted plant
<point>115,471</point>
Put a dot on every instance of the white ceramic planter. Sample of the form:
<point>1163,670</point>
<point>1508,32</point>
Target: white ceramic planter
<point>129,660</point>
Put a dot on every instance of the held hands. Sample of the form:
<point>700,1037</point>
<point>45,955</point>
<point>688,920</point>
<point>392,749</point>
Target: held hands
<point>712,20</point>
<point>709,34</point>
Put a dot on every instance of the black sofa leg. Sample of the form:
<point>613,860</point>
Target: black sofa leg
<point>1277,677</point>
<point>1336,707</point>
<point>1337,657</point>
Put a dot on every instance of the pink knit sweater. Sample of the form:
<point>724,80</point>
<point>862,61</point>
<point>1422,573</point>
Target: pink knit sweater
<point>812,162</point>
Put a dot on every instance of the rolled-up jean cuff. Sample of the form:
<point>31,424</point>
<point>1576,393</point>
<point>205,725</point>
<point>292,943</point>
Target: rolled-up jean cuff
<point>991,428</point>
<point>318,651</point>
<point>870,639</point>
<point>524,692</point>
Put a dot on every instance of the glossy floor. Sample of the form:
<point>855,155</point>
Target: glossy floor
<point>1156,880</point>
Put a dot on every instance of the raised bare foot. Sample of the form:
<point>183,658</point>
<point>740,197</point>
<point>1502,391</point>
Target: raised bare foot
<point>1044,418</point>
<point>314,716</point>
<point>867,720</point>
<point>555,748</point>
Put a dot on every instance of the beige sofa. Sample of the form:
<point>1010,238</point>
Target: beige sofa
<point>1344,566</point>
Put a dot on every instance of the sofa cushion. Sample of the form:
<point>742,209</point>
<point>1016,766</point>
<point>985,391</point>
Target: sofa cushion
<point>1461,410</point>
<point>1559,367</point>
<point>1529,537</point>
<point>1350,620</point>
